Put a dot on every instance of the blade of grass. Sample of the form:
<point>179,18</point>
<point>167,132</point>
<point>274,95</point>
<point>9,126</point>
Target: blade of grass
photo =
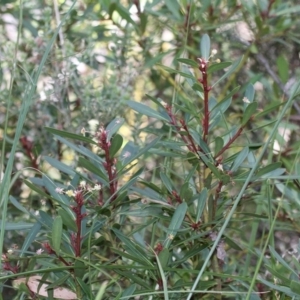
<point>237,200</point>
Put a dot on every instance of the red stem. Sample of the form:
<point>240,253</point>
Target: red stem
<point>238,133</point>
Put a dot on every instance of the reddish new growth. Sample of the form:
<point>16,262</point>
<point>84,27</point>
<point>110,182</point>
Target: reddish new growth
<point>77,209</point>
<point>49,250</point>
<point>110,162</point>
<point>176,197</point>
<point>28,147</point>
<point>158,248</point>
<point>203,65</point>
<point>183,131</point>
<point>196,226</point>
<point>7,266</point>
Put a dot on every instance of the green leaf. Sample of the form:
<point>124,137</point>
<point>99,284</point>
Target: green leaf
<point>283,68</point>
<point>205,47</point>
<point>174,8</point>
<point>59,165</point>
<point>131,247</point>
<point>57,233</point>
<point>80,149</point>
<point>249,95</point>
<point>295,287</point>
<point>218,66</point>
<point>82,162</point>
<point>18,205</point>
<point>68,219</point>
<point>69,135</point>
<point>294,9</point>
<point>116,145</point>
<point>30,238</point>
<point>249,112</point>
<point>189,62</point>
<point>164,257</point>
<point>219,143</point>
<point>175,223</point>
<point>230,71</point>
<point>18,226</point>
<point>79,269</point>
<point>114,126</point>
<point>186,192</point>
<point>269,168</point>
<point>240,159</point>
<point>166,182</point>
<point>202,197</point>
<point>232,244</point>
<point>58,282</point>
<point>146,110</point>
<point>129,291</point>
<point>130,151</point>
<point>124,13</point>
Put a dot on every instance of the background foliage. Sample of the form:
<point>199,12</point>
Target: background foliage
<point>107,58</point>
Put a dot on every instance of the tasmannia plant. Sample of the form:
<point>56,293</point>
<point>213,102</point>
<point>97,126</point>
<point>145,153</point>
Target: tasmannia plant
<point>110,229</point>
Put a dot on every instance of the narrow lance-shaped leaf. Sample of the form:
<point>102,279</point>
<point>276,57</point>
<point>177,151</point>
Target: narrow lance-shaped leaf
<point>249,112</point>
<point>114,126</point>
<point>175,223</point>
<point>189,62</point>
<point>205,47</point>
<point>59,165</point>
<point>230,71</point>
<point>239,159</point>
<point>201,203</point>
<point>146,110</point>
<point>70,135</point>
<point>57,233</point>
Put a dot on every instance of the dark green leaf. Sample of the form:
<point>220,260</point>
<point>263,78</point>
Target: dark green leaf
<point>283,68</point>
<point>249,112</point>
<point>218,66</point>
<point>202,198</point>
<point>219,143</point>
<point>57,233</point>
<point>189,62</point>
<point>67,219</point>
<point>267,169</point>
<point>116,145</point>
<point>82,162</point>
<point>66,134</point>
